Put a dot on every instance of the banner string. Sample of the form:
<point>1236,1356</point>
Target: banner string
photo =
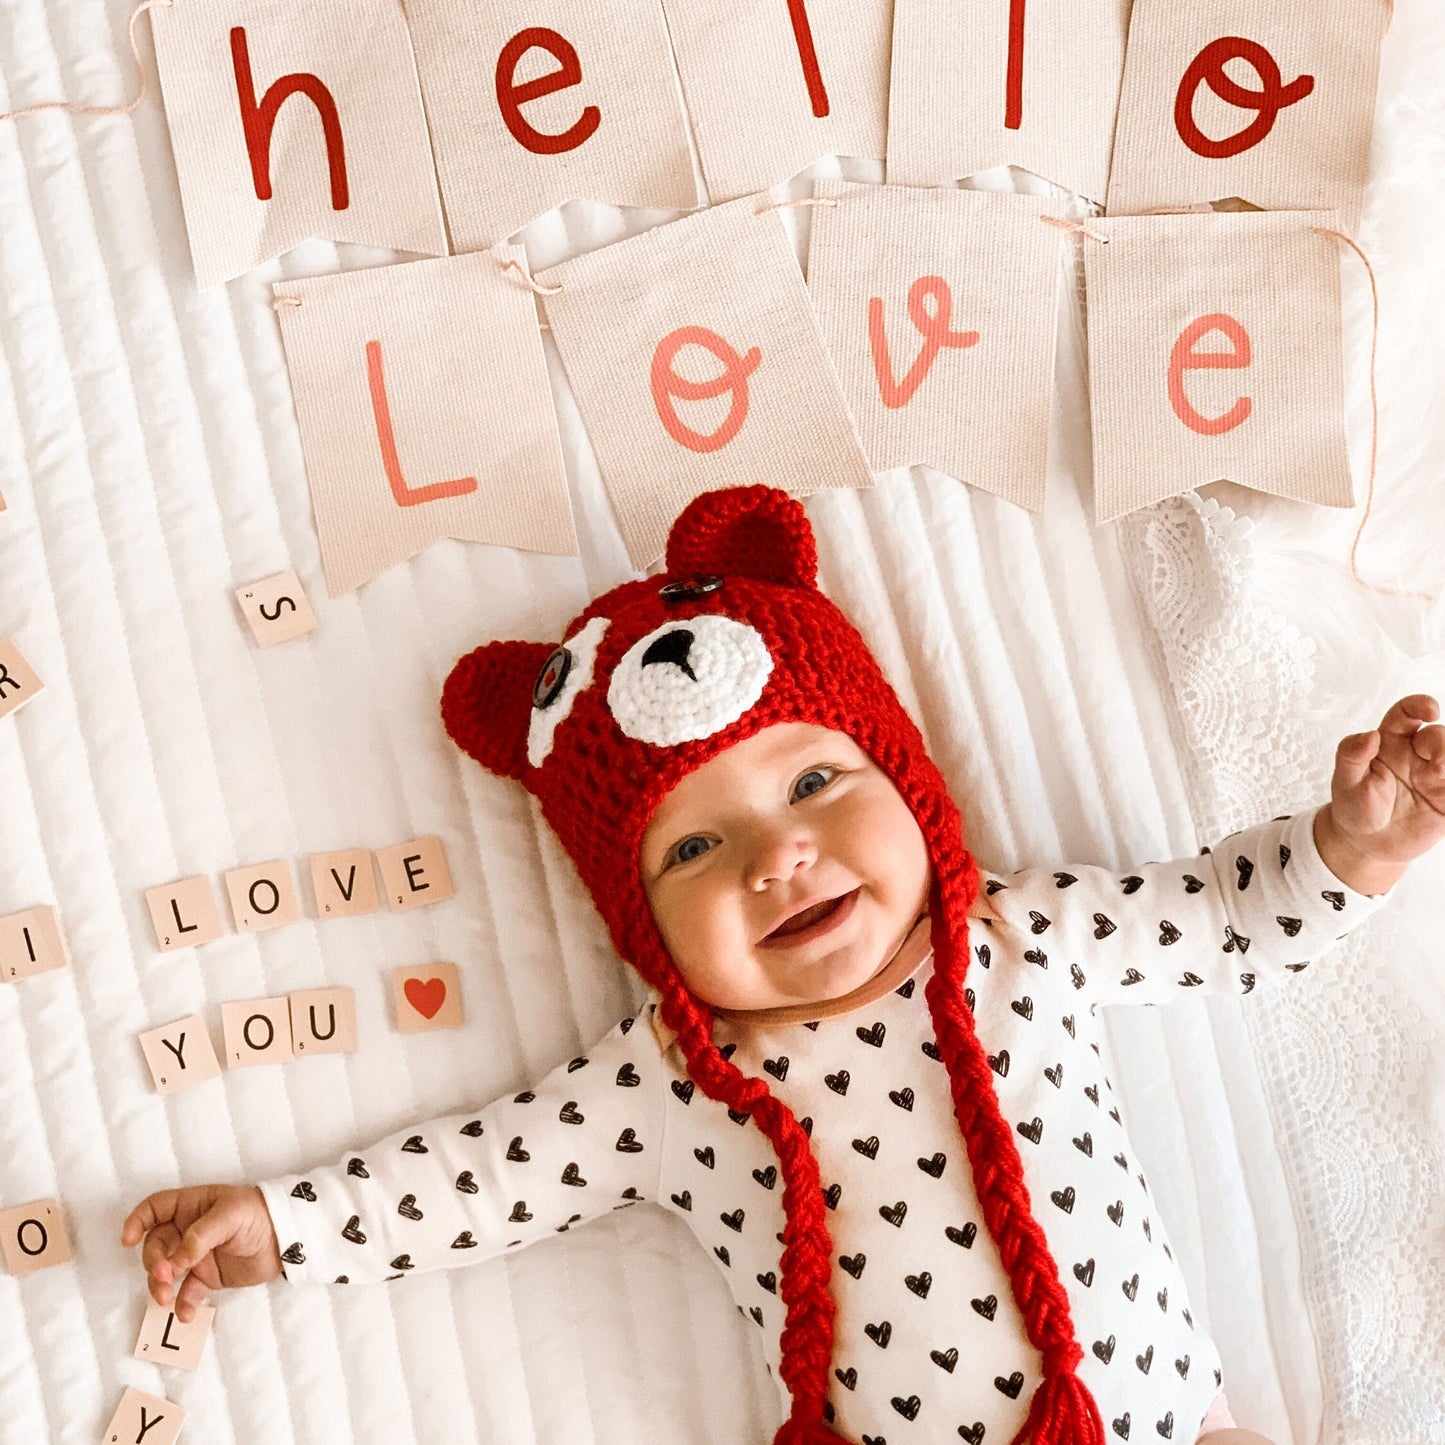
<point>102,109</point>
<point>806,201</point>
<point>1374,417</point>
<point>1079,226</point>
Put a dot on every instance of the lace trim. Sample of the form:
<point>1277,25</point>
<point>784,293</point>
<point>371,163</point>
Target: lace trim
<point>1364,1174</point>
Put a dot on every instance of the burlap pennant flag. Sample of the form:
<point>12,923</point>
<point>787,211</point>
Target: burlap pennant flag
<point>291,120</point>
<point>1000,86</point>
<point>422,397</point>
<point>525,116</point>
<point>939,309</point>
<point>771,87</point>
<point>1215,354</point>
<point>1275,106</point>
<point>697,362</point>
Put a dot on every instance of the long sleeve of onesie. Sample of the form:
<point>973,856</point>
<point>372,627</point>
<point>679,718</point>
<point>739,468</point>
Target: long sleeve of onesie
<point>1259,905</point>
<point>467,1187</point>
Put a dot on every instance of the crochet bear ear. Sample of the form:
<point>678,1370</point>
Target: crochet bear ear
<point>755,531</point>
<point>487,703</point>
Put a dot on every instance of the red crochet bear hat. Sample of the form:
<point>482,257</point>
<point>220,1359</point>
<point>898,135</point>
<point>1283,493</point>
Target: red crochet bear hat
<point>652,680</point>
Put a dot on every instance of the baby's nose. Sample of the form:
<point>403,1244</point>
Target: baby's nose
<point>778,856</point>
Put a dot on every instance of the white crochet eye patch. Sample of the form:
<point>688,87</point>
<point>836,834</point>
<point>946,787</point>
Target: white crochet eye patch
<point>543,725</point>
<point>688,679</point>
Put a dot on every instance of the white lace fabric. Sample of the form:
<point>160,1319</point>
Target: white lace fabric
<point>1339,1059</point>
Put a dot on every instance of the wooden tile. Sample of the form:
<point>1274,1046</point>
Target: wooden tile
<point>323,1021</point>
<point>180,1054</point>
<point>184,913</point>
<point>276,608</point>
<point>415,874</point>
<point>31,942</point>
<point>343,883</point>
<point>18,682</point>
<point>429,997</point>
<point>164,1340</point>
<point>257,1030</point>
<point>33,1236</point>
<point>144,1418</point>
<point>262,896</point>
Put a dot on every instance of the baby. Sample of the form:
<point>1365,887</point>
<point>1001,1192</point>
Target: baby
<point>836,994</point>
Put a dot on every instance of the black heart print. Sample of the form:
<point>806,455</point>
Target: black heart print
<point>304,1191</point>
<point>352,1230</point>
<point>407,1208</point>
<point>472,1130</point>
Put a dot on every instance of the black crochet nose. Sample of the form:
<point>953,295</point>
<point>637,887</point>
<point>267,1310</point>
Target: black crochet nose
<point>672,647</point>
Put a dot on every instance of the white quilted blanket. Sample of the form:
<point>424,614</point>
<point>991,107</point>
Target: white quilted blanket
<point>150,460</point>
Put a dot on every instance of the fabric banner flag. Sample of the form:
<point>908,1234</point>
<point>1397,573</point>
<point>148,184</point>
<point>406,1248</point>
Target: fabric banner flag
<point>421,393</point>
<point>291,120</point>
<point>939,308</point>
<point>1215,354</point>
<point>1035,88</point>
<point>697,362</point>
<point>1274,106</point>
<point>771,87</point>
<point>531,106</point>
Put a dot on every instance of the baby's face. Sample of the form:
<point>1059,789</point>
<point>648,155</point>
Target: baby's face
<point>785,870</point>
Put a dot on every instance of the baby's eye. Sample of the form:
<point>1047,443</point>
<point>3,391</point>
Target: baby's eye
<point>691,848</point>
<point>813,781</point>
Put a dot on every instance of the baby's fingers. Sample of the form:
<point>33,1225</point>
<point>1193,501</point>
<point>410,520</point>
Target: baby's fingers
<point>1429,744</point>
<point>154,1209</point>
<point>1354,756</point>
<point>192,1292</point>
<point>1407,714</point>
<point>215,1228</point>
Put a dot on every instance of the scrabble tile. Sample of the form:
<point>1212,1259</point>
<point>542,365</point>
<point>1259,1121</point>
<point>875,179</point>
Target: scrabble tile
<point>31,942</point>
<point>18,682</point>
<point>257,1030</point>
<point>429,997</point>
<point>343,883</point>
<point>142,1417</point>
<point>415,874</point>
<point>323,1021</point>
<point>180,1054</point>
<point>184,913</point>
<point>276,608</point>
<point>33,1236</point>
<point>262,896</point>
<point>164,1340</point>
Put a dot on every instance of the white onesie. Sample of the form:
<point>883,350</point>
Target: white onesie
<point>929,1345</point>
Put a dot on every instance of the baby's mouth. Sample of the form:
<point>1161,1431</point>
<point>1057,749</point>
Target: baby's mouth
<point>811,920</point>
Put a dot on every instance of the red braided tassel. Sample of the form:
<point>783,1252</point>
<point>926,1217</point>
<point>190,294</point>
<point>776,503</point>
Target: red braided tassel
<point>1063,1412</point>
<point>795,1432</point>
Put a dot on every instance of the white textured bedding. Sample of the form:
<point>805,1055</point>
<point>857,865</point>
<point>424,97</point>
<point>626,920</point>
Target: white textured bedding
<point>149,456</point>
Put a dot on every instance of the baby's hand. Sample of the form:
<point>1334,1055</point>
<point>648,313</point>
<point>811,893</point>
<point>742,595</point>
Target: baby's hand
<point>221,1233</point>
<point>1387,796</point>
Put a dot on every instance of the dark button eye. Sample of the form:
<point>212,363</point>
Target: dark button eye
<point>551,678</point>
<point>689,589</point>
